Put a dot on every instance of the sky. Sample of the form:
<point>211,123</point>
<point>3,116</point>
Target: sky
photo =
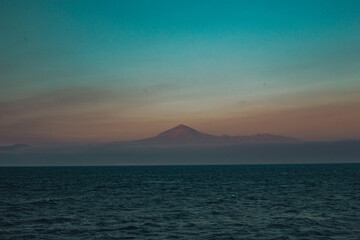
<point>100,71</point>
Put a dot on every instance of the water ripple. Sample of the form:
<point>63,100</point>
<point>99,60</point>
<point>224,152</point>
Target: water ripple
<point>182,202</point>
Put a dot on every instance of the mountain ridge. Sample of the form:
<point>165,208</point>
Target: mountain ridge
<point>185,135</point>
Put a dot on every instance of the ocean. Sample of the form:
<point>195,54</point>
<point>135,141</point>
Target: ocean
<point>181,202</point>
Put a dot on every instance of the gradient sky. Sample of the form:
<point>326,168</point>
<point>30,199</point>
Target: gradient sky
<point>95,71</point>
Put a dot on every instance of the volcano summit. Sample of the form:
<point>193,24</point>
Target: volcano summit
<point>185,135</point>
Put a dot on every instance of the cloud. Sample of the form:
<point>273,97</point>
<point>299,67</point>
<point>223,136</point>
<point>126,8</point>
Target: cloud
<point>81,114</point>
<point>326,121</point>
<point>55,100</point>
<point>93,114</point>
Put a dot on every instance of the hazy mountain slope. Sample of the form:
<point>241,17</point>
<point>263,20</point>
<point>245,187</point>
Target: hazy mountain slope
<point>182,134</point>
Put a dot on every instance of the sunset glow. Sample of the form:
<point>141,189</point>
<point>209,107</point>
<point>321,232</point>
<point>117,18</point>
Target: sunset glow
<point>99,72</point>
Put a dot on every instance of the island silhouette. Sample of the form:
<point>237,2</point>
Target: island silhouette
<point>183,145</point>
<point>185,135</point>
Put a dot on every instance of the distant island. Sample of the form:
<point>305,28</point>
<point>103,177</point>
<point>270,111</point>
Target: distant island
<point>183,145</point>
<point>184,135</point>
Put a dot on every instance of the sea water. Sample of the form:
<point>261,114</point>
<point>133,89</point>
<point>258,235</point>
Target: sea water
<point>181,202</point>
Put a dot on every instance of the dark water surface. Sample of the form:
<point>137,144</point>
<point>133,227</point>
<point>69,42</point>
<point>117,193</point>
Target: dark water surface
<point>181,202</point>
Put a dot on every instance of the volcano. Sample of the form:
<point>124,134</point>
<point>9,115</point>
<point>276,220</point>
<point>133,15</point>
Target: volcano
<point>182,134</point>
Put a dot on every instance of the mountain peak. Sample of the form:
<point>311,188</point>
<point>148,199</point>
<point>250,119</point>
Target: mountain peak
<point>180,131</point>
<point>182,134</point>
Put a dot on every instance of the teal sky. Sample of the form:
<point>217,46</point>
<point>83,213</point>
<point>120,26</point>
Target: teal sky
<point>117,70</point>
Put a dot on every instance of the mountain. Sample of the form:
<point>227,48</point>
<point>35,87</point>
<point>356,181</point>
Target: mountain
<point>15,147</point>
<point>260,138</point>
<point>182,134</point>
<point>179,135</point>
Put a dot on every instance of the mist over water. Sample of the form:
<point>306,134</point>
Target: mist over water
<point>132,154</point>
<point>181,202</point>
